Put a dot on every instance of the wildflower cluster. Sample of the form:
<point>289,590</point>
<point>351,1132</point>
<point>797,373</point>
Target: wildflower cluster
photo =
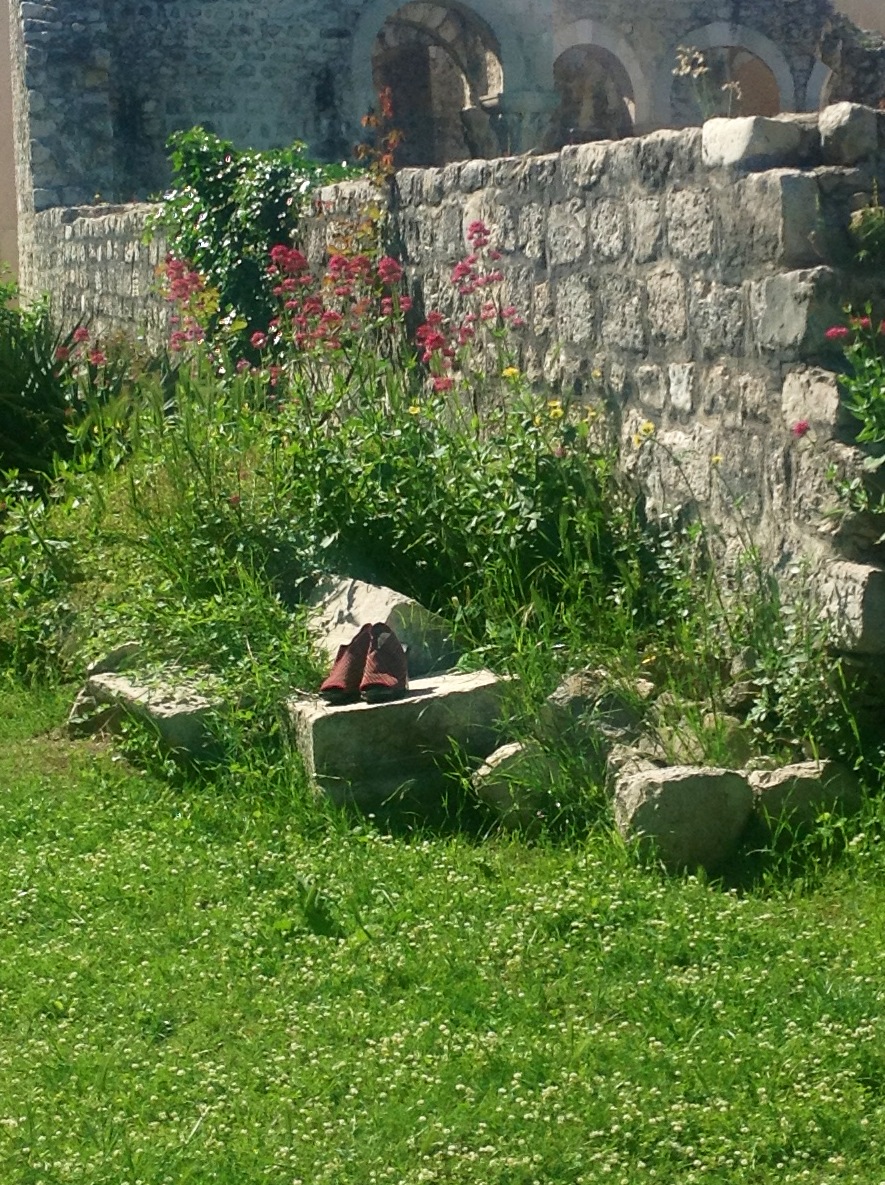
<point>862,340</point>
<point>379,156</point>
<point>195,302</point>
<point>453,347</point>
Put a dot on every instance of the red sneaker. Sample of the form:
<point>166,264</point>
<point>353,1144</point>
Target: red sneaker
<point>344,679</point>
<point>386,674</point>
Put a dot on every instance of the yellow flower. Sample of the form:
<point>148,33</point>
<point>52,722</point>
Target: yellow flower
<point>414,410</point>
<point>716,459</point>
<point>554,409</point>
<point>510,372</point>
<point>646,429</point>
<point>592,414</point>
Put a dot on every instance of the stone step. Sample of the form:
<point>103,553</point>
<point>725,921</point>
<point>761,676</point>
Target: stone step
<point>365,753</point>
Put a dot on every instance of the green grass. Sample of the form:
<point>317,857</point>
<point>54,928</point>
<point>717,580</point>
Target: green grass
<point>210,984</point>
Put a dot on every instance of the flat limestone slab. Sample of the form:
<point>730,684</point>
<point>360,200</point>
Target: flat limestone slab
<point>180,714</point>
<point>364,753</point>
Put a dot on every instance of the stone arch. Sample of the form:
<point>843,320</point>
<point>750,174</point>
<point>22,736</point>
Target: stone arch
<point>817,89</point>
<point>516,68</point>
<point>725,36</point>
<point>587,32</point>
<point>441,65</point>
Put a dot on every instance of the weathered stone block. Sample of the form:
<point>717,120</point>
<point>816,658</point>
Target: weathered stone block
<point>796,795</point>
<point>341,606</point>
<point>848,133</point>
<point>515,782</point>
<point>811,395</point>
<point>681,379</point>
<point>180,714</point>
<point>751,142</point>
<point>692,815</point>
<point>790,312</point>
<point>363,753</point>
<point>667,312</point>
<point>853,598</point>
<point>607,230</point>
<point>566,233</point>
<point>691,226</point>
<point>646,228</point>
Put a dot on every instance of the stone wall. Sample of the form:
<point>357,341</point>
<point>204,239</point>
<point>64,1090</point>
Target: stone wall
<point>683,278</point>
<point>95,266</point>
<point>101,84</point>
<point>686,279</point>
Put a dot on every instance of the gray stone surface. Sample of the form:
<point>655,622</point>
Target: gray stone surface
<point>180,714</point>
<point>796,795</point>
<point>515,781</point>
<point>752,142</point>
<point>692,816</point>
<point>365,753</point>
<point>341,605</point>
<point>853,597</point>
<point>849,133</point>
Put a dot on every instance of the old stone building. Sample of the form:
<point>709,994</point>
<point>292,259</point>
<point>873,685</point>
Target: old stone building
<point>100,84</point>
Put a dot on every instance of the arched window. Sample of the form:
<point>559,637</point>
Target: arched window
<point>596,100</point>
<point>443,66</point>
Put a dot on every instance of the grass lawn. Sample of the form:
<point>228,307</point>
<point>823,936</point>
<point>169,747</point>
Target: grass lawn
<point>203,985</point>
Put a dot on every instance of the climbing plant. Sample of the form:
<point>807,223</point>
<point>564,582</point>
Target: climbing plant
<point>227,207</point>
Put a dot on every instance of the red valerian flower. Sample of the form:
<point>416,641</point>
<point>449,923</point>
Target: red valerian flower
<point>62,354</point>
<point>861,323</point>
<point>837,333</point>
<point>443,383</point>
<point>81,334</point>
<point>801,428</point>
<point>258,340</point>
<point>97,358</point>
<point>389,270</point>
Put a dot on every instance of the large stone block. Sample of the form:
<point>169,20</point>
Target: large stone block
<point>515,782</point>
<point>790,312</point>
<point>796,795</point>
<point>811,395</point>
<point>364,753</point>
<point>691,815</point>
<point>853,598</point>
<point>848,133</point>
<point>341,606</point>
<point>180,713</point>
<point>751,142</point>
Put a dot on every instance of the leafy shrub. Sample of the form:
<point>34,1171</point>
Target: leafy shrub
<point>228,206</point>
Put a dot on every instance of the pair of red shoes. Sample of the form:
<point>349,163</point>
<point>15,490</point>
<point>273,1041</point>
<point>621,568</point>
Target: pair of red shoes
<point>371,666</point>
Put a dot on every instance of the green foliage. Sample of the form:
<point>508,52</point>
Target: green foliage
<point>227,207</point>
<point>863,383</point>
<point>866,229</point>
<point>225,987</point>
<point>35,386</point>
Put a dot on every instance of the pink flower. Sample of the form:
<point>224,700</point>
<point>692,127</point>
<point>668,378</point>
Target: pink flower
<point>97,358</point>
<point>80,334</point>
<point>837,333</point>
<point>443,383</point>
<point>477,230</point>
<point>258,340</point>
<point>389,270</point>
<point>62,354</point>
<point>386,306</point>
<point>800,429</point>
<point>405,303</point>
<point>242,364</point>
<point>861,323</point>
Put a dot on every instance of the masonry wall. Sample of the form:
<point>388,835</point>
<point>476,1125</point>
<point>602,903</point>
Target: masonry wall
<point>683,278</point>
<point>105,82</point>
